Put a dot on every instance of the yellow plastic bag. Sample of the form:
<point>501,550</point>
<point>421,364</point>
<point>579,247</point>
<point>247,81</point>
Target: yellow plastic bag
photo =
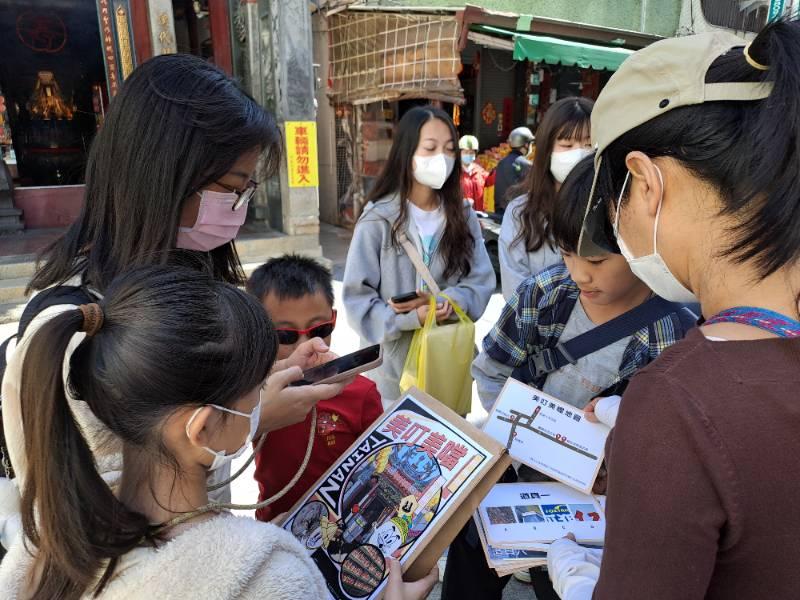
<point>440,357</point>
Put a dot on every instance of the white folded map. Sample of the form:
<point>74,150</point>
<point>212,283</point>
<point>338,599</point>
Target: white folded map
<point>548,435</point>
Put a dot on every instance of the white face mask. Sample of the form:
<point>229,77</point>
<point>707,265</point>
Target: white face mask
<point>433,171</point>
<point>220,458</point>
<point>561,163</point>
<point>652,269</point>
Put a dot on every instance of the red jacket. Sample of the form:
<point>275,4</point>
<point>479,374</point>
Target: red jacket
<point>472,182</point>
<point>340,420</point>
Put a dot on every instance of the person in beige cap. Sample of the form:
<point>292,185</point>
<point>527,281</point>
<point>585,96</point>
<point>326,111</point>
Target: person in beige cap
<point>697,184</point>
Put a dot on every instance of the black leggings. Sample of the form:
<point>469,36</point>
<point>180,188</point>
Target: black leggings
<point>468,575</point>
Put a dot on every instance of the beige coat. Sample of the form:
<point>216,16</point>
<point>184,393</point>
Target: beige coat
<point>223,558</point>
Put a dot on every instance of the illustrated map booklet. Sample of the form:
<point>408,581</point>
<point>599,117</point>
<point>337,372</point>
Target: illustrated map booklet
<point>404,489</point>
<point>548,435</point>
<point>529,516</point>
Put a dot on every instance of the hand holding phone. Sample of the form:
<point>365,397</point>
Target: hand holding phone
<point>407,297</point>
<point>344,367</point>
<point>405,303</point>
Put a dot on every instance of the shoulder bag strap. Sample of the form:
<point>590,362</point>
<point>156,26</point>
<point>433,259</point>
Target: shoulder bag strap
<point>418,263</point>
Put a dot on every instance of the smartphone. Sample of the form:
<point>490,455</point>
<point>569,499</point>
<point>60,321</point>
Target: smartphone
<point>343,367</point>
<point>405,297</point>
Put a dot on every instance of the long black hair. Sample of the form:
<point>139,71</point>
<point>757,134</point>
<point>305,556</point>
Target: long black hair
<point>568,118</point>
<point>748,152</point>
<point>177,124</point>
<point>171,337</point>
<point>397,179</point>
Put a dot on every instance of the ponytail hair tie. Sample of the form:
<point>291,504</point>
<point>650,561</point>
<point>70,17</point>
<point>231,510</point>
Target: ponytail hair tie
<point>92,318</point>
<point>753,62</point>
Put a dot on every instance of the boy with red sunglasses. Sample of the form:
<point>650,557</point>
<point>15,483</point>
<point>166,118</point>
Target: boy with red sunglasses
<point>297,293</point>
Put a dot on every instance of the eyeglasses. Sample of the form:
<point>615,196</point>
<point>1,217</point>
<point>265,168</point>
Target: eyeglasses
<point>244,195</point>
<point>287,336</point>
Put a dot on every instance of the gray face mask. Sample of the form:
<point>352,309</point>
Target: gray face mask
<point>652,269</point>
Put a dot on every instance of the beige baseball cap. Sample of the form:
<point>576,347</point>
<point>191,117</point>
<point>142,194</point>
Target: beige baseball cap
<point>661,77</point>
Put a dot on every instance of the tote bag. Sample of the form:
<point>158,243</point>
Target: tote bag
<point>440,356</point>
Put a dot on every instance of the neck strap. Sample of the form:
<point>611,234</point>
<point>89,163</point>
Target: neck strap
<point>767,320</point>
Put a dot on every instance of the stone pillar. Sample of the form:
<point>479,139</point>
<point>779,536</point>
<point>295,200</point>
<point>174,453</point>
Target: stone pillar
<point>326,128</point>
<point>287,85</point>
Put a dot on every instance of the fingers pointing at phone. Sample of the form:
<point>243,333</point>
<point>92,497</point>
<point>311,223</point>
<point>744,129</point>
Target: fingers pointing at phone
<point>310,353</point>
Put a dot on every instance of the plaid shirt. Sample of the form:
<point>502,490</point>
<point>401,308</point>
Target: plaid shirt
<point>535,316</point>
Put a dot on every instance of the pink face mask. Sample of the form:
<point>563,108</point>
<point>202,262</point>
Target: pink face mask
<point>217,223</point>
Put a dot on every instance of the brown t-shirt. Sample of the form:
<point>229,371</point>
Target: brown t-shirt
<point>704,475</point>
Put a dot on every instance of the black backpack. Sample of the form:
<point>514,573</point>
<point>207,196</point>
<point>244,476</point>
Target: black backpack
<point>63,294</point>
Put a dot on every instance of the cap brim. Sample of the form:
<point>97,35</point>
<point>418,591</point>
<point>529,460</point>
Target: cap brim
<point>596,236</point>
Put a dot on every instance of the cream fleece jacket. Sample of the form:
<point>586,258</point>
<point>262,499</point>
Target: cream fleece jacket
<point>224,558</point>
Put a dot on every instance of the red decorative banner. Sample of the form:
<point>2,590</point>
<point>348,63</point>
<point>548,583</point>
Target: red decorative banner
<point>105,17</point>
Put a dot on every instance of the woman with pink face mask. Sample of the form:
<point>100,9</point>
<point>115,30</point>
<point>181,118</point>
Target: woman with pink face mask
<point>417,195</point>
<point>168,181</point>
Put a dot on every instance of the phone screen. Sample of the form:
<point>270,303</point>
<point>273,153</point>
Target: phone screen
<point>340,365</point>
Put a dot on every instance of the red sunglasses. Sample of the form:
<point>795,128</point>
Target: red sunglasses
<point>287,336</point>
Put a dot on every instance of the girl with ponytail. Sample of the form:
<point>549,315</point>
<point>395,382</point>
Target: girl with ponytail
<point>172,362</point>
<point>697,185</point>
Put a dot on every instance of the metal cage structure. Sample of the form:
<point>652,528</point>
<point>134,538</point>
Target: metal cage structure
<point>390,56</point>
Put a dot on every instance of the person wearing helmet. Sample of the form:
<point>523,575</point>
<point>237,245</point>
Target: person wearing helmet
<point>473,176</point>
<point>513,168</point>
<point>697,185</point>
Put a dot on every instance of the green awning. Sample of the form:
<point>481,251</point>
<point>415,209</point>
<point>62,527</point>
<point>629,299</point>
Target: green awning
<point>555,51</point>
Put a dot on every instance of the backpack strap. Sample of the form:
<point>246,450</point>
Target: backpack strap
<point>64,294</point>
<point>551,359</point>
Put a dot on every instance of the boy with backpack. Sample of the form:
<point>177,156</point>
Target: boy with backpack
<point>577,331</point>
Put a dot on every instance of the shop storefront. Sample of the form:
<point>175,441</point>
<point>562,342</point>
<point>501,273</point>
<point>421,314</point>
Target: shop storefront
<point>487,69</point>
<point>515,77</point>
<point>62,62</point>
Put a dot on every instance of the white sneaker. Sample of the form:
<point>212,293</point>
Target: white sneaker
<point>523,576</point>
